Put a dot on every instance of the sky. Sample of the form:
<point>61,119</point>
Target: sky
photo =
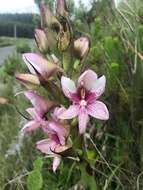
<point>12,6</point>
<point>27,6</point>
<point>22,6</point>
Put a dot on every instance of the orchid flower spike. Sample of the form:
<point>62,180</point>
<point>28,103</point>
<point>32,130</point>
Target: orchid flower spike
<point>84,98</point>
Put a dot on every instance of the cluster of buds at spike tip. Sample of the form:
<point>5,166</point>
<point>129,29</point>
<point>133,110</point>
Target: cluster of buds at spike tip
<point>58,24</point>
<point>61,9</point>
<point>81,47</point>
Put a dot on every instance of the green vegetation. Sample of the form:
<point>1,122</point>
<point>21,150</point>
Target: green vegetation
<point>115,149</point>
<point>24,24</point>
<point>8,41</point>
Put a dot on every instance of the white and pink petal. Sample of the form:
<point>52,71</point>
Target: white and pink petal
<point>56,162</point>
<point>46,146</point>
<point>68,86</point>
<point>87,79</point>
<point>83,119</point>
<point>30,126</point>
<point>70,113</point>
<point>98,86</point>
<point>98,110</point>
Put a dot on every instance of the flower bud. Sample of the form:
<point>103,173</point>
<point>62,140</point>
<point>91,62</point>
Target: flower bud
<point>41,40</point>
<point>4,101</point>
<point>47,18</point>
<point>55,59</point>
<point>28,80</point>
<point>61,7</point>
<point>81,47</point>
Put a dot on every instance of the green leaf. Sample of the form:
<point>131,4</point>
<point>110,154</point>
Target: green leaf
<point>38,164</point>
<point>76,64</point>
<point>34,180</point>
<point>88,180</point>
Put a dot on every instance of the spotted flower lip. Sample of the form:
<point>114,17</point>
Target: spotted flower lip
<point>84,98</point>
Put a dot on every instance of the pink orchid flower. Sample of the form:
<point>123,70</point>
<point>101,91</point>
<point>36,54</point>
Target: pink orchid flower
<point>84,98</point>
<point>55,126</point>
<point>56,143</point>
<point>52,146</point>
<point>41,107</point>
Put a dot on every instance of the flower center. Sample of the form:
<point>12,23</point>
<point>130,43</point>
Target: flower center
<point>82,93</point>
<point>83,103</point>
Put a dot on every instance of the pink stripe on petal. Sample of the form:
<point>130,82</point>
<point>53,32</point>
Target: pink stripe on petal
<point>70,113</point>
<point>83,119</point>
<point>68,86</point>
<point>30,126</point>
<point>87,79</point>
<point>98,110</point>
<point>56,162</point>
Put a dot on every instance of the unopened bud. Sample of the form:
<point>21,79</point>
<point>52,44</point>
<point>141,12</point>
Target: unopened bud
<point>55,59</point>
<point>41,40</point>
<point>47,17</point>
<point>81,47</point>
<point>28,80</point>
<point>4,101</point>
<point>61,8</point>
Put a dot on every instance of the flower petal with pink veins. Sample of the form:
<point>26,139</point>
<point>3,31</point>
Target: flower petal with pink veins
<point>98,110</point>
<point>87,79</point>
<point>68,86</point>
<point>83,119</point>
<point>59,130</point>
<point>39,103</point>
<point>37,62</point>
<point>57,112</point>
<point>30,126</point>
<point>98,86</point>
<point>39,65</point>
<point>45,146</point>
<point>33,114</point>
<point>70,113</point>
<point>56,162</point>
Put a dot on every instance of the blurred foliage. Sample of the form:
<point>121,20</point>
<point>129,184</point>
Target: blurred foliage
<point>114,158</point>
<point>23,47</point>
